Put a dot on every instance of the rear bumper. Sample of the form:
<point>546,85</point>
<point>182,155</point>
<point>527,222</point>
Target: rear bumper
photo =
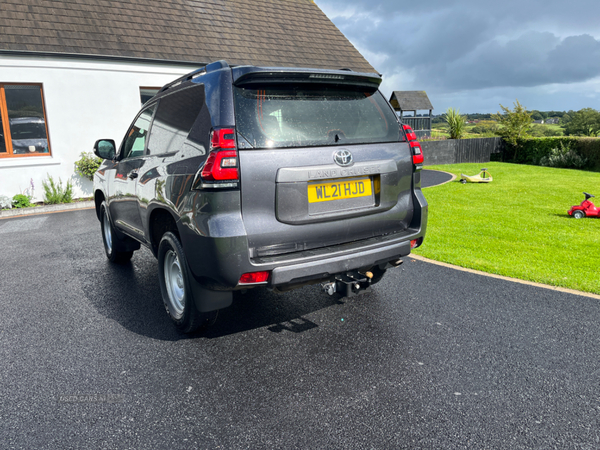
<point>366,257</point>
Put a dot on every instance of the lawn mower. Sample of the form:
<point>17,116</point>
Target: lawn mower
<point>586,208</point>
<point>482,177</point>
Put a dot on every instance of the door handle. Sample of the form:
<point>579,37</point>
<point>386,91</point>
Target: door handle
<point>133,175</point>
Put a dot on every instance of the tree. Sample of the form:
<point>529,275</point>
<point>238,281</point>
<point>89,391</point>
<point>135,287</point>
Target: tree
<point>456,123</point>
<point>514,124</point>
<point>585,122</point>
<point>566,118</point>
<point>536,115</point>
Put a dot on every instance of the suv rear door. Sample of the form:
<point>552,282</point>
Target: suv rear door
<point>321,164</point>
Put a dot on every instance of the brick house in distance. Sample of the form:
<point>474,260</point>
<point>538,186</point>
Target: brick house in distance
<point>75,71</point>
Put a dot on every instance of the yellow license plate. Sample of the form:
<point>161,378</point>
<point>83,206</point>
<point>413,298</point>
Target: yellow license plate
<point>325,192</point>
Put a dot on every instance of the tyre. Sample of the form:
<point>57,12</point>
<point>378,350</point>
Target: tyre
<point>114,248</point>
<point>175,285</point>
<point>579,214</point>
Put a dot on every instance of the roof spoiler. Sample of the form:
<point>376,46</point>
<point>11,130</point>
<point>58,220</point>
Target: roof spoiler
<point>250,75</point>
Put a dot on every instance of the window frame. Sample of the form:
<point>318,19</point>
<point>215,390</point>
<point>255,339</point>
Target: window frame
<point>6,123</point>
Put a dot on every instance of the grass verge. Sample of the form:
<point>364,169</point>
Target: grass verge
<point>517,225</point>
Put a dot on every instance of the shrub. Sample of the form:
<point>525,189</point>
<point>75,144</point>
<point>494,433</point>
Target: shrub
<point>563,157</point>
<point>87,165</point>
<point>456,123</point>
<point>54,192</point>
<point>21,201</point>
<point>5,202</point>
<point>532,150</point>
<point>589,148</point>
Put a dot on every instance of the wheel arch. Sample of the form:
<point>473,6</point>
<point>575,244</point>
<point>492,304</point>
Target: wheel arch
<point>160,221</point>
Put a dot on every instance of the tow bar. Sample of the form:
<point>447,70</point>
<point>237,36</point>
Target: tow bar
<point>353,283</point>
<point>349,284</point>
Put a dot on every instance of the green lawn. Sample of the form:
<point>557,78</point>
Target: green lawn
<point>517,225</point>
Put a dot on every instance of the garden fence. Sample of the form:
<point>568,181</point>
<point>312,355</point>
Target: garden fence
<point>453,151</point>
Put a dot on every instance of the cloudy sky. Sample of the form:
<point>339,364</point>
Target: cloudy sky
<point>474,55</point>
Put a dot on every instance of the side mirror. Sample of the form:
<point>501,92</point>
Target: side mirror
<point>105,149</point>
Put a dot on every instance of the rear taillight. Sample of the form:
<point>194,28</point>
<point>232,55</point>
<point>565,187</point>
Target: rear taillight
<point>417,151</point>
<point>410,134</point>
<point>221,167</point>
<point>222,138</point>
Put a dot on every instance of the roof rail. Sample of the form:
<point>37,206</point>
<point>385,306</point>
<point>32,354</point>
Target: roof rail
<point>187,77</point>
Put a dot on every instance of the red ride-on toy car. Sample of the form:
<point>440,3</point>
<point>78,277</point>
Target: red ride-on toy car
<point>586,208</point>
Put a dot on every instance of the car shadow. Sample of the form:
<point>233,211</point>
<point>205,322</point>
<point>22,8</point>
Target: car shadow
<point>130,295</point>
<point>279,312</point>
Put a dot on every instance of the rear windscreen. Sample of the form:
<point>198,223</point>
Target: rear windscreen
<point>305,115</point>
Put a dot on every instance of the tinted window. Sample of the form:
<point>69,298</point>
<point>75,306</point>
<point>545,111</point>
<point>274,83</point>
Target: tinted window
<point>174,118</point>
<point>309,116</point>
<point>135,141</point>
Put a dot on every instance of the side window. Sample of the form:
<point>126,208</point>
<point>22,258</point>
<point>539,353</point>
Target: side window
<point>23,130</point>
<point>135,141</point>
<point>174,118</point>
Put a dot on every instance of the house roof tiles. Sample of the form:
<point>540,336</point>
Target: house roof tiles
<point>292,33</point>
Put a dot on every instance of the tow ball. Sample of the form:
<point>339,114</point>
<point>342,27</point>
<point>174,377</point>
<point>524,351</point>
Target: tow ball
<point>349,284</point>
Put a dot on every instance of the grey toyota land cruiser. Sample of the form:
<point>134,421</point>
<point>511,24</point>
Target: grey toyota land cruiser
<point>244,176</point>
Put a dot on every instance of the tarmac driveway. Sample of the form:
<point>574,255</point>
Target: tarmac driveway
<point>432,358</point>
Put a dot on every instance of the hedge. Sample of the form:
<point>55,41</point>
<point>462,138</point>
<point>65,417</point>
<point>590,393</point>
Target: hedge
<point>531,150</point>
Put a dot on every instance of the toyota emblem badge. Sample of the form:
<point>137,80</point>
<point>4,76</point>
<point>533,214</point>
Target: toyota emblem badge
<point>343,158</point>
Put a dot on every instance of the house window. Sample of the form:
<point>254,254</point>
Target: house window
<point>23,129</point>
<point>146,93</point>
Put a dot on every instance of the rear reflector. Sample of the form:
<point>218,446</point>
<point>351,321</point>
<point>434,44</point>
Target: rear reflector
<point>416,243</point>
<point>254,278</point>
